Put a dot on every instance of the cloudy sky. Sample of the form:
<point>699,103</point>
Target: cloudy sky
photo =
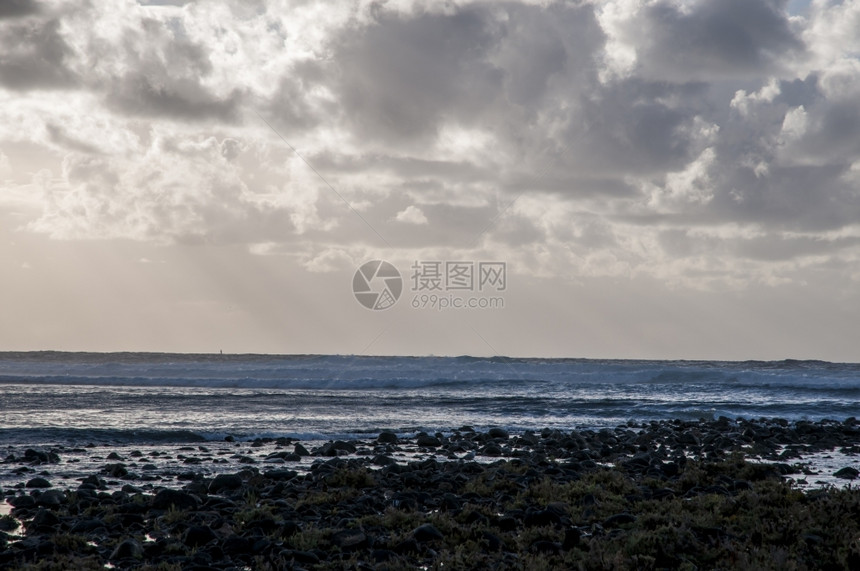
<point>662,178</point>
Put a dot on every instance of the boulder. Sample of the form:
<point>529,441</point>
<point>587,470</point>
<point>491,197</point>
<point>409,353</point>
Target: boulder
<point>128,549</point>
<point>349,539</point>
<point>847,473</point>
<point>427,441</point>
<point>165,499</point>
<point>198,535</point>
<point>225,482</point>
<point>498,433</point>
<point>38,483</point>
<point>427,532</point>
<point>51,499</point>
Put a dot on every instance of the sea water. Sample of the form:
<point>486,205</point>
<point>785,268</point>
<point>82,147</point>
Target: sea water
<point>125,398</point>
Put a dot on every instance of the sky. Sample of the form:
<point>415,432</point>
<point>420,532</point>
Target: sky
<point>659,179</point>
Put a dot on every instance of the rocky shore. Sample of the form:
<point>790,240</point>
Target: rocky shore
<point>690,495</point>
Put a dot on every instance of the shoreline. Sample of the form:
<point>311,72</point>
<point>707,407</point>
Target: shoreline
<point>654,494</point>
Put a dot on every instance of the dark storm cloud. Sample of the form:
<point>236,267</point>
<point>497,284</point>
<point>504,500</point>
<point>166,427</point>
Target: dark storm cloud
<point>630,127</point>
<point>784,160</point>
<point>165,77</point>
<point>161,75</point>
<point>770,247</point>
<point>548,53</point>
<point>495,66</point>
<point>34,55</point>
<point>776,248</point>
<point>180,98</point>
<point>401,77</point>
<point>570,185</point>
<point>806,197</point>
<point>404,167</point>
<point>289,110</point>
<point>527,74</point>
<point>833,132</point>
<point>18,8</point>
<point>530,75</point>
<point>60,137</point>
<point>720,38</point>
<point>799,92</point>
<point>165,2</point>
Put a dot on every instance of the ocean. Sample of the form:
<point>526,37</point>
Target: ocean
<point>150,398</point>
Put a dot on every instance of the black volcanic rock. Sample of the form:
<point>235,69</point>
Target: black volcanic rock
<point>643,493</point>
<point>349,539</point>
<point>223,482</point>
<point>167,498</point>
<point>619,519</point>
<point>197,536</point>
<point>38,483</point>
<point>426,532</point>
<point>51,498</point>
<point>128,549</point>
<point>36,457</point>
<point>427,441</point>
<point>847,473</point>
<point>498,433</point>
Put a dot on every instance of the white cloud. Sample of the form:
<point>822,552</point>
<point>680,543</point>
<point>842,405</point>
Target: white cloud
<point>744,102</point>
<point>795,123</point>
<point>411,215</point>
<point>831,32</point>
<point>330,260</point>
<point>691,186</point>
